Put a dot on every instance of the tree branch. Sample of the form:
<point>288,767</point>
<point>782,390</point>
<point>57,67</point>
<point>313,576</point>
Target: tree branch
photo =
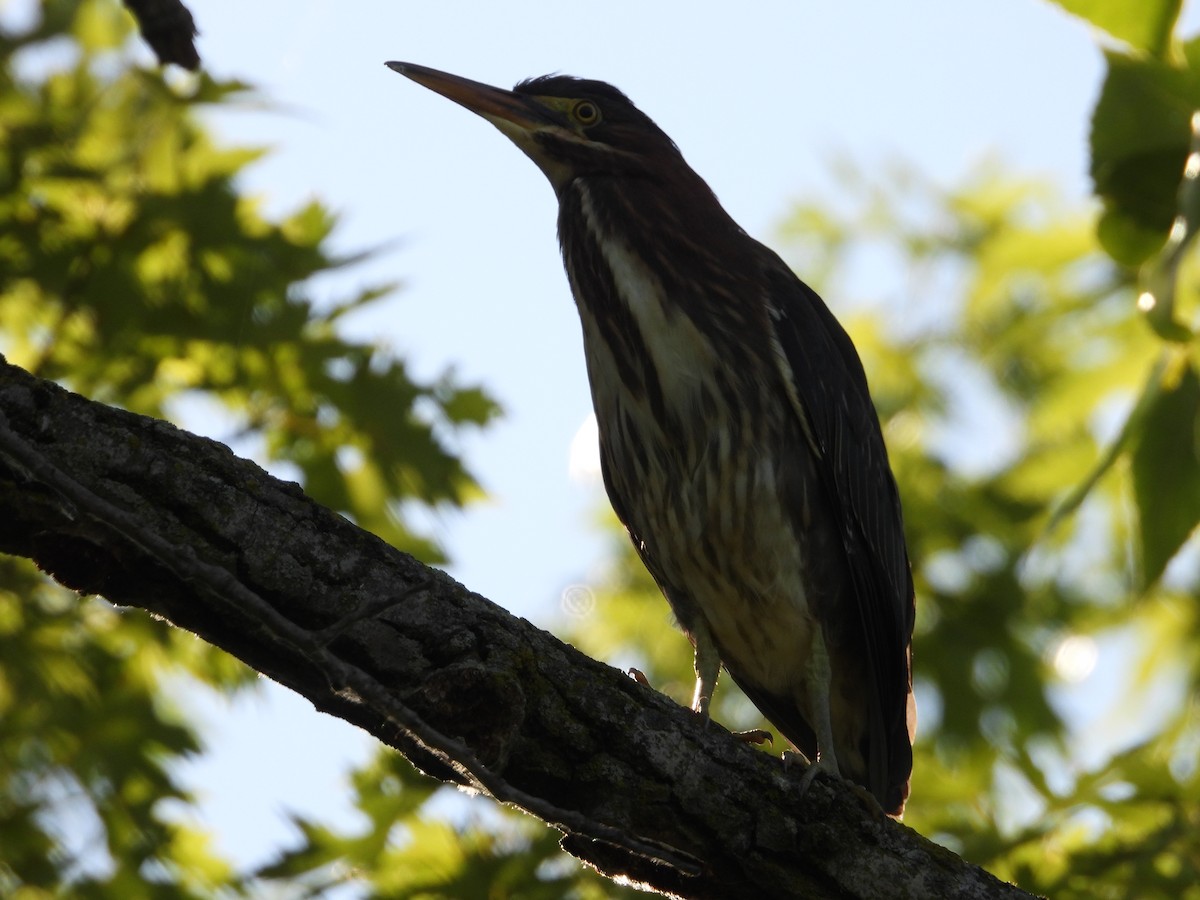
<point>113,503</point>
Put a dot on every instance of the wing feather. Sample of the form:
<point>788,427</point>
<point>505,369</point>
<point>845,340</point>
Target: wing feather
<point>828,388</point>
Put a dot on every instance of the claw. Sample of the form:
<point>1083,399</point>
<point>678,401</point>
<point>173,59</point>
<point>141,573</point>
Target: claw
<point>758,736</point>
<point>814,769</point>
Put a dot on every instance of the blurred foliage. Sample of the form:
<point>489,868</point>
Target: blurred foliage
<point>87,745</point>
<point>408,849</point>
<point>1146,167</point>
<point>1040,400</point>
<point>134,270</point>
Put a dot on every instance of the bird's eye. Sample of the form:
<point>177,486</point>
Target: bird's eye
<point>585,112</point>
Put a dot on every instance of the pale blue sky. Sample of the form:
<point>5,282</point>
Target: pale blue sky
<point>759,96</point>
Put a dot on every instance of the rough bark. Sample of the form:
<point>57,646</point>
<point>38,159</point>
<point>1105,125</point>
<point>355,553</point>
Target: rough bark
<point>150,516</point>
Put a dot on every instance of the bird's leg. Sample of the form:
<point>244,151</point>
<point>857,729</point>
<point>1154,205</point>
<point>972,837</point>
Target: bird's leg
<point>708,666</point>
<point>820,685</point>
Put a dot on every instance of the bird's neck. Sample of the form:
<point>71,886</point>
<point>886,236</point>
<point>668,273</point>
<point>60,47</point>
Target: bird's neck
<point>655,300</point>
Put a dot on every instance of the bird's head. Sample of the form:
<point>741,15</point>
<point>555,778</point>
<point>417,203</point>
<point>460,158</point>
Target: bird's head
<point>567,126</point>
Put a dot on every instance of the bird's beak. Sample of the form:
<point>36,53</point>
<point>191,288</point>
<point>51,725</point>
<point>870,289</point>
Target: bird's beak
<point>519,117</point>
<point>490,102</point>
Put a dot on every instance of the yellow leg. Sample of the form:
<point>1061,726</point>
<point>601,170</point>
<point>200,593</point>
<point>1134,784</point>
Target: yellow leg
<point>820,686</point>
<point>708,667</point>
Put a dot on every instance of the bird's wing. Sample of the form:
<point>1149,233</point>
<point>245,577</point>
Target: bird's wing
<point>828,388</point>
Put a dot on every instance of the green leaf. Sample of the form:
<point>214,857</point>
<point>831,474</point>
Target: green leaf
<point>1141,130</point>
<point>1145,25</point>
<point>1166,471</point>
<point>101,26</point>
<point>1159,277</point>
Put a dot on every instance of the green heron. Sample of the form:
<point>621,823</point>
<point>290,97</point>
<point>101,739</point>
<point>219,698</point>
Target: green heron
<point>738,441</point>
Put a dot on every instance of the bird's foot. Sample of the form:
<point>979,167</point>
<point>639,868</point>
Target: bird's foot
<point>830,768</point>
<point>792,756</point>
<point>700,705</point>
<point>815,767</point>
<point>639,676</point>
<point>758,736</point>
<point>701,698</point>
<point>825,763</point>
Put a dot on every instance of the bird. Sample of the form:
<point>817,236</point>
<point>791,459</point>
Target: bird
<point>739,444</point>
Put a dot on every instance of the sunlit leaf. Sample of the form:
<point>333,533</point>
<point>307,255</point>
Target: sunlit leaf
<point>1139,141</point>
<point>1146,25</point>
